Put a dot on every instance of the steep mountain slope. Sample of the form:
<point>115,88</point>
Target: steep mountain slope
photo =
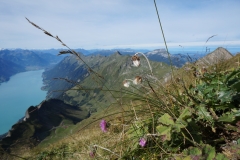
<point>19,60</point>
<point>59,78</point>
<point>39,122</point>
<point>8,68</point>
<point>51,59</point>
<point>89,91</point>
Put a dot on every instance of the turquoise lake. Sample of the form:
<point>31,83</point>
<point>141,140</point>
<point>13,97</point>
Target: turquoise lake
<point>20,92</point>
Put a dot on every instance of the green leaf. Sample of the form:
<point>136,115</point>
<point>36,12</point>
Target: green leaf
<point>179,124</point>
<point>226,96</point>
<point>238,141</point>
<point>194,151</point>
<point>185,113</point>
<point>234,73</point>
<point>226,118</point>
<point>187,158</point>
<point>209,152</point>
<point>166,119</point>
<point>204,114</point>
<point>236,86</point>
<point>221,156</point>
<point>164,131</point>
<point>236,112</point>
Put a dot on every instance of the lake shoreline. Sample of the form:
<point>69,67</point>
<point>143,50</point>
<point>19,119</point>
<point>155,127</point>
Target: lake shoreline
<point>17,95</point>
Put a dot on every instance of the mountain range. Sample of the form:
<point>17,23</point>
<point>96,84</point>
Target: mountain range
<point>19,60</point>
<point>75,91</point>
<point>71,73</point>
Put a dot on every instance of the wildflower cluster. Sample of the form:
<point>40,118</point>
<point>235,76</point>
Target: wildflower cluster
<point>136,62</point>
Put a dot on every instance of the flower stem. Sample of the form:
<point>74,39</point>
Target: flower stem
<point>106,149</point>
<point>147,61</point>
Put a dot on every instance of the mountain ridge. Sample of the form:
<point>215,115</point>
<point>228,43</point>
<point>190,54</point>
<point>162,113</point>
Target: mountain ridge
<point>19,60</point>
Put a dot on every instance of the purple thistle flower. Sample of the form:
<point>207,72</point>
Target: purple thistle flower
<point>93,151</point>
<point>92,154</point>
<point>103,125</point>
<point>142,142</point>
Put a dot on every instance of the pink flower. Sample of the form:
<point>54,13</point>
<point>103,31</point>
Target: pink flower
<point>103,125</point>
<point>91,154</point>
<point>142,142</point>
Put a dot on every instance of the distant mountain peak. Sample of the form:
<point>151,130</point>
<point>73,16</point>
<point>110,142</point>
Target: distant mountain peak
<point>118,53</point>
<point>219,54</point>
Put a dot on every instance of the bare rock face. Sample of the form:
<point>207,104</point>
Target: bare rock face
<point>219,55</point>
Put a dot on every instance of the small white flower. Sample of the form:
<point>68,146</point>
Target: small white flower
<point>136,60</point>
<point>126,83</point>
<point>137,80</point>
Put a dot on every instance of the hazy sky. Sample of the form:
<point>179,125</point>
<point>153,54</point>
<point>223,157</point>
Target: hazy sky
<point>105,24</point>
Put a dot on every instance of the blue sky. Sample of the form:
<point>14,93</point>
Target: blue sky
<point>107,24</point>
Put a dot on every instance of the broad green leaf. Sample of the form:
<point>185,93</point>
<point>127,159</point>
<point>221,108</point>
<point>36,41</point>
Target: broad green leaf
<point>226,118</point>
<point>226,96</point>
<point>185,113</point>
<point>236,112</point>
<point>183,158</point>
<point>164,131</point>
<point>234,73</point>
<point>166,119</point>
<point>209,152</point>
<point>179,124</point>
<point>221,156</point>
<point>194,151</point>
<point>236,86</point>
<point>204,114</point>
<point>187,158</point>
